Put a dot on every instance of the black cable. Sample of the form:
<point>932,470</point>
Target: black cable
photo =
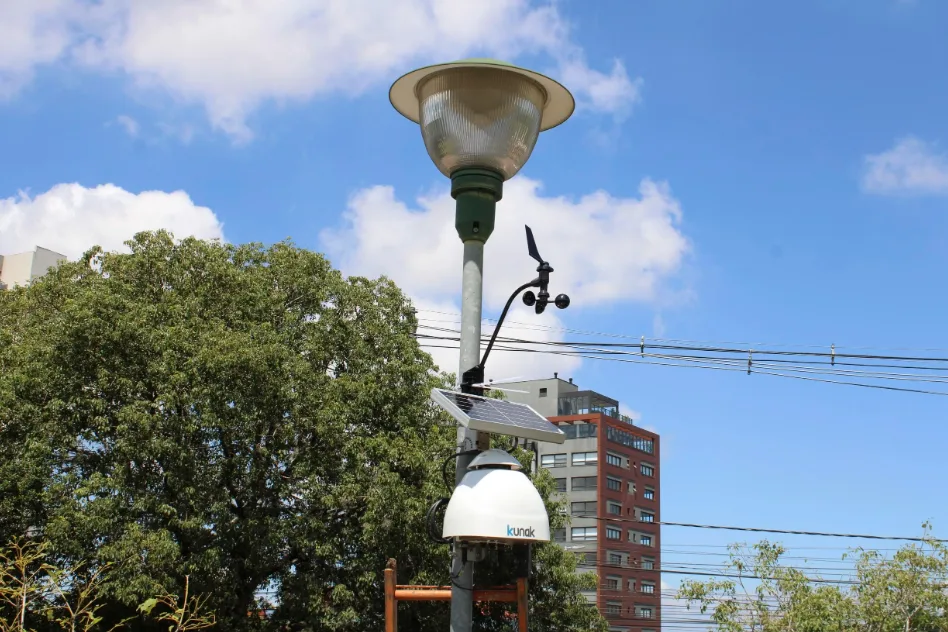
<point>813,533</point>
<point>697,366</point>
<point>503,315</point>
<point>444,466</point>
<point>815,363</point>
<point>832,359</point>
<point>661,343</point>
<point>763,530</point>
<point>457,585</point>
<point>430,524</point>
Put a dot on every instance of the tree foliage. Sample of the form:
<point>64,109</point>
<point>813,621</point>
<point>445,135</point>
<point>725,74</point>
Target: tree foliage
<point>906,592</point>
<point>242,418</point>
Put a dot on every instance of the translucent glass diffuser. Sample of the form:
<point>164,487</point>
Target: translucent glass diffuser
<point>481,113</point>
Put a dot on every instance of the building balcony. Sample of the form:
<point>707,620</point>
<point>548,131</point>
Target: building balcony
<point>589,402</point>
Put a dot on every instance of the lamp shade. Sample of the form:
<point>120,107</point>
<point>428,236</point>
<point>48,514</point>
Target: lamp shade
<point>481,113</point>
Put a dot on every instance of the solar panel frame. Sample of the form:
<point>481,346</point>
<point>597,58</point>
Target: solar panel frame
<point>508,418</point>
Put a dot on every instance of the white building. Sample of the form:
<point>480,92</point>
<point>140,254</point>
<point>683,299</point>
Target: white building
<point>24,267</point>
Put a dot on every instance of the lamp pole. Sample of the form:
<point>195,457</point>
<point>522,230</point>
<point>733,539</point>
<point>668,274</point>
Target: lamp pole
<point>480,119</point>
<point>476,193</point>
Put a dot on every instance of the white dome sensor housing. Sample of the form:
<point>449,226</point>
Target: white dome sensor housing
<point>496,502</point>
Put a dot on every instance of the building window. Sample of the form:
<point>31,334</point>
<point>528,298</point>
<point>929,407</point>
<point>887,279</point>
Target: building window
<point>648,588</point>
<point>613,533</point>
<point>644,612</point>
<point>559,535</point>
<point>582,534</point>
<point>646,516</point>
<point>584,508</point>
<point>647,470</point>
<point>614,484</point>
<point>578,431</point>
<point>560,484</point>
<point>613,608</point>
<point>581,483</point>
<point>612,582</point>
<point>615,558</point>
<point>553,460</point>
<point>585,431</point>
<point>543,392</point>
<point>649,493</point>
<point>631,585</point>
<point>648,563</point>
<point>589,559</point>
<point>613,459</point>
<point>615,508</point>
<point>585,458</point>
<point>630,440</point>
<point>645,540</point>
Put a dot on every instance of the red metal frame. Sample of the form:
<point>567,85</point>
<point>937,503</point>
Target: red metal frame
<point>395,593</point>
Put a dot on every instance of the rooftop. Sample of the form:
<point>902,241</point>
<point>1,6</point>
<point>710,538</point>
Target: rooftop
<point>586,402</point>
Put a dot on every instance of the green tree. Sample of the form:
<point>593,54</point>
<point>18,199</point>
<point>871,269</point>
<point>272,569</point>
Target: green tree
<point>902,593</point>
<point>244,417</point>
<point>23,584</point>
<point>907,591</point>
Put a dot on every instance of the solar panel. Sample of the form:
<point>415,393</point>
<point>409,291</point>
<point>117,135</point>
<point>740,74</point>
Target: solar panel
<point>497,416</point>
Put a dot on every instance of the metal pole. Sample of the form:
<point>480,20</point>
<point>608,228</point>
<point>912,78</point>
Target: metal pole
<point>477,192</point>
<point>462,572</point>
<point>391,605</point>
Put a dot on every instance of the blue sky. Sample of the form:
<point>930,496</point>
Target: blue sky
<point>737,171</point>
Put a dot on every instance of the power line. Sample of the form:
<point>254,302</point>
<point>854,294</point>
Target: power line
<point>703,572</point>
<point>795,548</point>
<point>760,372</point>
<point>764,530</point>
<point>831,358</point>
<point>650,340</point>
<point>763,367</point>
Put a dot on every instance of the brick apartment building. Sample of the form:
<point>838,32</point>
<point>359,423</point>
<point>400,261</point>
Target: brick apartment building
<point>609,471</point>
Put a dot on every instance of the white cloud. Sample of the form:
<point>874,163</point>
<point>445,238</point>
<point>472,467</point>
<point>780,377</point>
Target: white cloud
<point>230,57</point>
<point>603,249</point>
<point>912,166</point>
<point>70,218</point>
<point>32,32</point>
<point>614,92</point>
<point>129,124</point>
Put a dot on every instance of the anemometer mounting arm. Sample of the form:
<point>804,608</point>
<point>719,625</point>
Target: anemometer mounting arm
<point>473,378</point>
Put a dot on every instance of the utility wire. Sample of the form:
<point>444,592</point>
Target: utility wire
<point>763,530</point>
<point>832,358</point>
<point>650,340</point>
<point>725,364</point>
<point>761,372</point>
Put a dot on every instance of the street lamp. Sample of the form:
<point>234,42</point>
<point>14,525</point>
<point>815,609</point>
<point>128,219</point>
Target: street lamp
<point>481,113</point>
<point>480,120</point>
